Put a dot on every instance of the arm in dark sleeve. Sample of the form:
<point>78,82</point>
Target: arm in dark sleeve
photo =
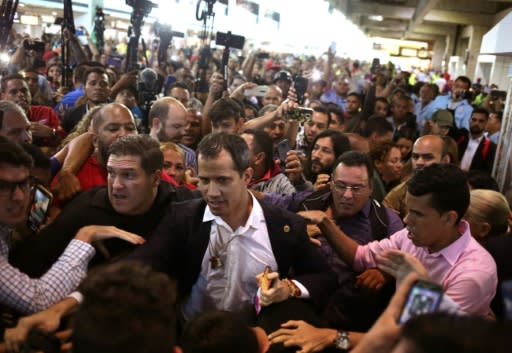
<point>161,250</point>
<point>311,268</point>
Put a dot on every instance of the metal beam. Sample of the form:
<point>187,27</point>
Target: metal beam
<point>461,18</point>
<point>388,11</point>
<point>440,30</point>
<point>423,7</point>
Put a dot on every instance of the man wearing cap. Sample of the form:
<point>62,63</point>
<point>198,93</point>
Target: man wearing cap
<point>457,102</point>
<point>476,151</point>
<point>441,123</point>
<point>283,80</point>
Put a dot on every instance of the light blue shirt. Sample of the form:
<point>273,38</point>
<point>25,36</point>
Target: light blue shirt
<point>463,110</point>
<point>423,114</point>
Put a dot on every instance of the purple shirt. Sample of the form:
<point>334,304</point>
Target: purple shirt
<point>464,268</point>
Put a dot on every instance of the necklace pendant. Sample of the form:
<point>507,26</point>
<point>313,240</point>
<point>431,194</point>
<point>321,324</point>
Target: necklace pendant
<point>215,262</point>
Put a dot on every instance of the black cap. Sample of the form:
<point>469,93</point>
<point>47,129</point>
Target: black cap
<point>283,75</point>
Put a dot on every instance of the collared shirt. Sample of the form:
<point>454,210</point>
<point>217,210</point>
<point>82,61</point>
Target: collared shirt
<point>462,109</point>
<point>464,268</point>
<point>22,293</point>
<point>357,227</point>
<point>423,113</point>
<point>469,153</point>
<point>332,97</point>
<point>244,253</point>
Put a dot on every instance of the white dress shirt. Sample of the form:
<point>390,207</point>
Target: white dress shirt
<point>244,253</point>
<point>469,153</point>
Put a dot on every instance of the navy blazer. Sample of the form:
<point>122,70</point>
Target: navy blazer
<point>178,245</point>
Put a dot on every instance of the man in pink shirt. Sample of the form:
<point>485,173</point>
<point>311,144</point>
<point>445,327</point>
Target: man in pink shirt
<point>435,240</point>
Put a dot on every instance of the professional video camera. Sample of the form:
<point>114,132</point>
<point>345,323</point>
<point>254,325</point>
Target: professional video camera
<point>143,6</point>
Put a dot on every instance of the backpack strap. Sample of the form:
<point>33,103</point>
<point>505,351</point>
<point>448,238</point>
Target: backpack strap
<point>379,220</point>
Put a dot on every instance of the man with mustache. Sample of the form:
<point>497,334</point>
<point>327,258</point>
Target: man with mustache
<point>327,146</point>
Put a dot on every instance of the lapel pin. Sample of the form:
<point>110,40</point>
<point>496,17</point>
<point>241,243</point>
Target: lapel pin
<point>286,228</point>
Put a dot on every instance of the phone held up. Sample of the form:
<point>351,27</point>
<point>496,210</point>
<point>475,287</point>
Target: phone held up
<point>301,86</point>
<point>39,208</point>
<point>424,297</point>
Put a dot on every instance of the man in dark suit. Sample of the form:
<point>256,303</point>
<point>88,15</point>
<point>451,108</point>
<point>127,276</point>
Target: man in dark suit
<point>476,151</point>
<point>215,247</point>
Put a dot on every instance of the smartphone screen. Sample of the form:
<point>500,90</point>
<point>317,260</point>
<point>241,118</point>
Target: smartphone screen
<point>301,86</point>
<point>423,298</point>
<point>39,209</point>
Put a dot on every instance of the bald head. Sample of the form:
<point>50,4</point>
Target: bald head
<point>427,150</point>
<point>112,111</point>
<point>168,117</point>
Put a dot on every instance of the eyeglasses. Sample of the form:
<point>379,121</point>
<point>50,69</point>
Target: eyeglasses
<point>7,188</point>
<point>342,188</point>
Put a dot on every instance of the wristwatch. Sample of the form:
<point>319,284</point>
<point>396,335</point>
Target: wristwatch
<point>342,341</point>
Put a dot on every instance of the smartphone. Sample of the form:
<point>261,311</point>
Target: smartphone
<point>282,149</point>
<point>423,298</point>
<point>39,209</point>
<point>300,114</point>
<point>301,86</point>
<point>258,91</point>
<point>263,56</point>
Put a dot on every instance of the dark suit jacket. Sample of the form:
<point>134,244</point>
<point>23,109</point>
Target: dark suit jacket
<point>36,254</point>
<point>72,118</point>
<point>478,162</point>
<point>179,243</point>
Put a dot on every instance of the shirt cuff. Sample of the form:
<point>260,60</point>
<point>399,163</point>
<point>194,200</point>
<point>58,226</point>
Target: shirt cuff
<point>304,293</point>
<point>77,296</point>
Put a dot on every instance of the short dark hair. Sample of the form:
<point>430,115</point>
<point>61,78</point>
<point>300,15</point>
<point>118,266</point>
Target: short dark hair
<point>178,85</point>
<point>225,108</point>
<point>105,322</point>
<point>322,109</point>
<point>357,95</point>
<point>407,133</point>
<point>340,141</point>
<point>443,332</point>
<point>464,79</point>
<point>336,110</point>
<point>356,159</point>
<point>213,144</point>
<point>447,184</point>
<point>218,332</point>
<point>378,125</point>
<point>262,143</point>
<point>40,159</point>
<point>95,69</point>
<point>13,154</point>
<point>143,146</point>
<point>481,179</point>
<point>11,77</point>
<point>480,110</point>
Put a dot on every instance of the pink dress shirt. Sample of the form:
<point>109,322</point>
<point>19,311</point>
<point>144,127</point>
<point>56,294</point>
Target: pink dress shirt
<point>464,268</point>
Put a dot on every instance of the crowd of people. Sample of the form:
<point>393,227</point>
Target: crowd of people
<point>229,205</point>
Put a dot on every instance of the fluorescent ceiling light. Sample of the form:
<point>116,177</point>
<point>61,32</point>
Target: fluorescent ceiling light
<point>376,18</point>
